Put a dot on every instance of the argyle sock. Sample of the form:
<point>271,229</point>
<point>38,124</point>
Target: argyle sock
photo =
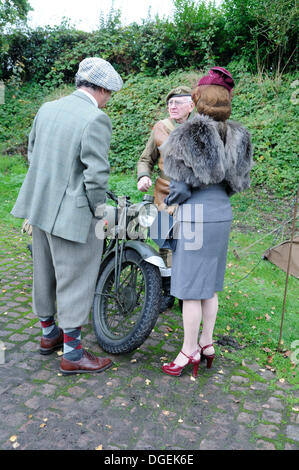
<point>72,348</point>
<point>49,327</point>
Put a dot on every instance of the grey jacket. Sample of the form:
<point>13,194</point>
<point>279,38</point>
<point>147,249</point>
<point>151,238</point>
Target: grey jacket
<point>68,167</point>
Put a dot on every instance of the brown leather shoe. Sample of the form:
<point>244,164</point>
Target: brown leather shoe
<point>49,345</point>
<point>88,364</point>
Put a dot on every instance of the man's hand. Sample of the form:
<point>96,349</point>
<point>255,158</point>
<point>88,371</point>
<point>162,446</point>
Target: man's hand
<point>170,209</point>
<point>144,183</point>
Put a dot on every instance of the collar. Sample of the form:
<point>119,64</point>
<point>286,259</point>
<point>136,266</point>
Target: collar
<point>89,96</point>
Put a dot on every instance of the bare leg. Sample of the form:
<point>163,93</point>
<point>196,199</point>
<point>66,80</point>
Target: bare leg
<point>209,314</point>
<point>191,321</point>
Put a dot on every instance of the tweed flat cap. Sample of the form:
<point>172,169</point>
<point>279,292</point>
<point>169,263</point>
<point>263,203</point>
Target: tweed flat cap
<point>99,72</point>
<point>179,91</point>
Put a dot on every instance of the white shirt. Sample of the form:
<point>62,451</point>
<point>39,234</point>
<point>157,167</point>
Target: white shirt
<point>89,96</point>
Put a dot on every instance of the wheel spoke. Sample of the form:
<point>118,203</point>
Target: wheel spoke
<point>119,320</point>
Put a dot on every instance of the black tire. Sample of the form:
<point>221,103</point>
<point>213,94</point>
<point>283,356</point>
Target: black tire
<point>123,323</point>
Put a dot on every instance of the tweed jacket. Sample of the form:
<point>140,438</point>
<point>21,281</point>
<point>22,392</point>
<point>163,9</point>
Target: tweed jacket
<point>207,161</point>
<point>68,167</point>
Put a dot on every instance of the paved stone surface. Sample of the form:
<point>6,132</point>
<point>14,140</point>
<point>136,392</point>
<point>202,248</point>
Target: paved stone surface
<point>132,405</point>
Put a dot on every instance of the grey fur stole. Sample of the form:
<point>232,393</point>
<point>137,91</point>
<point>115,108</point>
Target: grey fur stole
<point>204,151</point>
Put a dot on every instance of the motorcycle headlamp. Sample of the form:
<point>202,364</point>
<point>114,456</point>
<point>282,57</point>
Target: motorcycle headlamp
<point>147,215</point>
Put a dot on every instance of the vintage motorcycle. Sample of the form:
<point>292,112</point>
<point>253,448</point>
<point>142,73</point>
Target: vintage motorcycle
<point>128,291</point>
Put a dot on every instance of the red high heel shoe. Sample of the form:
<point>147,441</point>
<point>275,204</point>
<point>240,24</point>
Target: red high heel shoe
<point>171,368</point>
<point>209,357</point>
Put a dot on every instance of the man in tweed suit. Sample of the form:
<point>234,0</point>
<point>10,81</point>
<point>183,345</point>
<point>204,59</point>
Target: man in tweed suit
<point>65,183</point>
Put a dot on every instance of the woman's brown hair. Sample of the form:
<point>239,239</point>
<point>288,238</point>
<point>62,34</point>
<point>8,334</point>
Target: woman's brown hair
<point>213,101</point>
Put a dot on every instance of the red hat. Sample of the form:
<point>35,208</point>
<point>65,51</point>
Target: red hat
<point>218,76</point>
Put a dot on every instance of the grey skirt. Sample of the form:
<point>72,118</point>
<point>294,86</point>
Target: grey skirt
<point>198,263</point>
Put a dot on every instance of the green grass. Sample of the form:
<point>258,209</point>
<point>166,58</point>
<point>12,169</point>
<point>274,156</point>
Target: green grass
<point>250,306</point>
<point>12,173</point>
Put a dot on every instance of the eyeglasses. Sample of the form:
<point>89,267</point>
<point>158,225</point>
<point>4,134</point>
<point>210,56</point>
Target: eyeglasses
<point>176,103</point>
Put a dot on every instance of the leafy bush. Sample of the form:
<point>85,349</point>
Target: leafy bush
<point>262,33</point>
<point>264,105</point>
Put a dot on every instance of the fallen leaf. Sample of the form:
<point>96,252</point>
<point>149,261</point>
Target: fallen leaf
<point>133,360</point>
<point>180,420</point>
<point>100,447</point>
<point>79,424</point>
<point>282,381</point>
<point>13,438</point>
<point>192,378</point>
<point>147,381</point>
<point>100,396</point>
<point>16,445</point>
<point>267,317</point>
<point>109,384</point>
<point>42,425</point>
<point>165,413</point>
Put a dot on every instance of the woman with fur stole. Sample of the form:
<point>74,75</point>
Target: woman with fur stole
<point>208,159</point>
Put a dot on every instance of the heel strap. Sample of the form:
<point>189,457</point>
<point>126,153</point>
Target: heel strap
<point>205,347</point>
<point>191,355</point>
<point>185,355</point>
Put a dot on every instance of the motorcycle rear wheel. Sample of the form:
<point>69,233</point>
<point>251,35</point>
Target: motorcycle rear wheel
<point>123,320</point>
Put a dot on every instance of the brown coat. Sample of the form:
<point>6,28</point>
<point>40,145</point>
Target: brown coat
<point>151,155</point>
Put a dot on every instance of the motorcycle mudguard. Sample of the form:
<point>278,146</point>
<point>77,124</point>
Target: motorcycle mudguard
<point>148,254</point>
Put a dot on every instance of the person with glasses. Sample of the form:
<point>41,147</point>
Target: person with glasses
<point>180,109</point>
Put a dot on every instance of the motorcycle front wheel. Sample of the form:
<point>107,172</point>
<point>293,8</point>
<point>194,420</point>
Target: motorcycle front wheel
<point>123,318</point>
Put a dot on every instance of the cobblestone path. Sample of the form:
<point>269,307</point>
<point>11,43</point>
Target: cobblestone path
<point>132,405</point>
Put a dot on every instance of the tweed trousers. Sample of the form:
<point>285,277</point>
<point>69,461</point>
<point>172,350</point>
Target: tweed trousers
<point>64,276</point>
